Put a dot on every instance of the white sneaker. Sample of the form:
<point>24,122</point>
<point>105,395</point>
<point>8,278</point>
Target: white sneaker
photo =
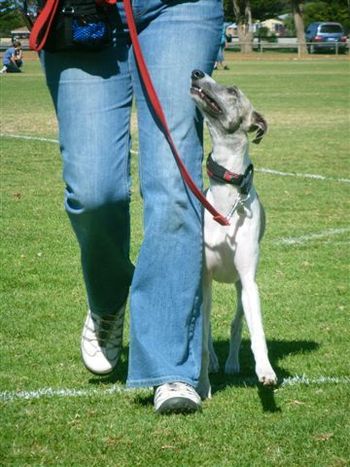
<point>101,341</point>
<point>176,398</point>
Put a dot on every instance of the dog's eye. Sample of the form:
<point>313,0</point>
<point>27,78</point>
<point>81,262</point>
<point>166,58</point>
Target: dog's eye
<point>232,90</point>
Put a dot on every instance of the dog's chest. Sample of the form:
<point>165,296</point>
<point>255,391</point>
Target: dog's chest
<point>221,246</point>
<point>227,248</point>
<point>219,261</point>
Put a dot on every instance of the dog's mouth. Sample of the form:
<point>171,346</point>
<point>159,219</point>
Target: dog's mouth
<point>211,103</point>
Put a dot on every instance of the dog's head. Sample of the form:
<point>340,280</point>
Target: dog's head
<point>225,108</point>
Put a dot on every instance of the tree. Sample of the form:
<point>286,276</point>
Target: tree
<point>261,9</point>
<point>10,18</point>
<point>243,15</point>
<point>244,11</point>
<point>337,10</point>
<point>297,8</point>
<point>266,9</point>
<point>228,10</point>
<point>303,12</point>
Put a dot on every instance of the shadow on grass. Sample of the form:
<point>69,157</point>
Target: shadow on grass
<point>119,375</point>
<point>278,349</point>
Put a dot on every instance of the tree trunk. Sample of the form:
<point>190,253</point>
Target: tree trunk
<point>243,16</point>
<point>299,25</point>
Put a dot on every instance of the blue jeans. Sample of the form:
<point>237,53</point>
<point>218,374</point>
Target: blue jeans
<point>93,93</point>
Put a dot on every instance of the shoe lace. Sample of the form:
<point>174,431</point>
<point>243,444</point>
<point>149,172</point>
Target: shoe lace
<point>107,331</point>
<point>177,388</point>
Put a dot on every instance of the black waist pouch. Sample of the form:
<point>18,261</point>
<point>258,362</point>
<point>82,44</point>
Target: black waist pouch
<point>68,24</point>
<point>80,25</point>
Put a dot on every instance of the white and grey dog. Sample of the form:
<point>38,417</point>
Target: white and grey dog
<point>232,253</point>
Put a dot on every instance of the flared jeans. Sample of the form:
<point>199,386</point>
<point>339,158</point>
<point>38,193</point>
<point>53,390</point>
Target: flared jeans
<point>93,94</point>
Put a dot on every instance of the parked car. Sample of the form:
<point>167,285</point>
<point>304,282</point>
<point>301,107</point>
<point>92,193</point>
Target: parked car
<point>325,36</point>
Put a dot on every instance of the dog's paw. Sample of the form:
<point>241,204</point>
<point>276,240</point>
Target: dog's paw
<point>232,367</point>
<point>267,378</point>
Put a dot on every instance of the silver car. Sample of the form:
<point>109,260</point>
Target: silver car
<point>325,36</point>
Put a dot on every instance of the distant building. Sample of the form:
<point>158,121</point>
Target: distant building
<point>275,26</point>
<point>21,34</point>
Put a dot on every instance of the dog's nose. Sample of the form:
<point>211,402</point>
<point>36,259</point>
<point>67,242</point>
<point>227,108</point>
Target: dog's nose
<point>197,74</point>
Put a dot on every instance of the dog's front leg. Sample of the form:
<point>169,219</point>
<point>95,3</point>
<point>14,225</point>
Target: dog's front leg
<point>204,389</point>
<point>252,313</point>
<point>214,366</point>
<point>232,363</point>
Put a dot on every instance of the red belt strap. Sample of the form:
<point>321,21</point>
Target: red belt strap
<point>42,25</point>
<point>37,41</point>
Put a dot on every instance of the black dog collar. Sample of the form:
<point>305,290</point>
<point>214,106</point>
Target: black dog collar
<point>220,174</point>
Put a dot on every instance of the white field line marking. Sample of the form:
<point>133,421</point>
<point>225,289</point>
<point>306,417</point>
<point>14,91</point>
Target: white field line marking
<point>63,392</point>
<point>8,396</point>
<point>38,138</point>
<point>302,175</point>
<point>310,237</point>
<point>30,138</point>
<point>305,380</point>
<point>261,170</point>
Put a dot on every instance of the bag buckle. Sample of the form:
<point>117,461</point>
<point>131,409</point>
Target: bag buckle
<point>68,10</point>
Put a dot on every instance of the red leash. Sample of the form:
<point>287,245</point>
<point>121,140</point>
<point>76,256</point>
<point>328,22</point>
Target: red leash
<point>159,112</point>
<point>37,40</point>
<point>42,25</point>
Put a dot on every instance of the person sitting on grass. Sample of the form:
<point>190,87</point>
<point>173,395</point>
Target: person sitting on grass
<point>13,59</point>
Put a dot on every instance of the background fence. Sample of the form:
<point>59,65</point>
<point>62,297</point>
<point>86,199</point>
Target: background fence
<point>281,44</point>
<point>290,44</point>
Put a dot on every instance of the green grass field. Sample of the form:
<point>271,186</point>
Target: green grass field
<point>53,412</point>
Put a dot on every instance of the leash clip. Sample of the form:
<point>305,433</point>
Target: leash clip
<point>238,205</point>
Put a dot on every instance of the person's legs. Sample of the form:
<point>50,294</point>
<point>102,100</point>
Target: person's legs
<point>92,95</point>
<point>12,68</point>
<point>166,299</point>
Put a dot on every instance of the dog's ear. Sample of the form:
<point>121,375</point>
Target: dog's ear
<point>258,124</point>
